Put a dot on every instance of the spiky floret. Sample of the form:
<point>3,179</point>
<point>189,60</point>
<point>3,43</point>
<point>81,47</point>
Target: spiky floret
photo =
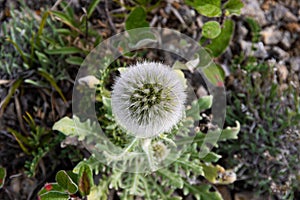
<point>148,99</point>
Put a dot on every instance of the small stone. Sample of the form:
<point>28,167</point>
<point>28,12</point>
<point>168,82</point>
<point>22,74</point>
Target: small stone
<point>242,31</point>
<point>282,12</point>
<point>286,40</point>
<point>293,27</point>
<point>258,50</point>
<point>283,72</point>
<point>252,9</point>
<point>295,63</point>
<point>279,53</point>
<point>271,36</point>
<point>201,92</point>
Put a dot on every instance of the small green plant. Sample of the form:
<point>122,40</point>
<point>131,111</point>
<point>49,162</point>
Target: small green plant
<point>37,143</point>
<point>69,184</point>
<point>268,110</point>
<point>158,182</point>
<point>217,33</point>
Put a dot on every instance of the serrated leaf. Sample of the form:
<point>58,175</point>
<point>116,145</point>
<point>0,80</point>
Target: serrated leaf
<point>173,178</point>
<point>230,132</point>
<point>211,29</point>
<point>64,180</point>
<point>219,44</point>
<point>79,129</point>
<point>99,192</point>
<point>85,181</point>
<point>54,195</point>
<point>234,6</point>
<point>2,176</point>
<point>190,166</point>
<point>202,192</point>
<point>136,19</point>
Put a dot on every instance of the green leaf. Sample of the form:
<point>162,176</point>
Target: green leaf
<point>42,25</point>
<point>205,103</point>
<point>64,18</point>
<point>209,10</point>
<point>230,132</point>
<point>92,7</point>
<point>52,81</point>
<point>211,157</point>
<point>63,51</point>
<point>202,192</point>
<point>193,111</point>
<point>173,178</point>
<point>219,44</point>
<point>18,49</point>
<point>68,127</point>
<point>2,176</point>
<point>190,166</point>
<point>99,192</point>
<point>11,92</point>
<point>22,140</point>
<point>54,195</point>
<point>85,181</point>
<point>136,19</point>
<point>234,6</point>
<point>211,29</point>
<point>51,187</point>
<point>65,181</point>
<point>215,74</point>
<point>74,60</point>
<point>210,172</point>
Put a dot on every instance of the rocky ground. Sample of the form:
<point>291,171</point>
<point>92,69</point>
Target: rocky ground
<point>279,43</point>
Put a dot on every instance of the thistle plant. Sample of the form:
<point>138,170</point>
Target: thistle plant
<point>148,99</point>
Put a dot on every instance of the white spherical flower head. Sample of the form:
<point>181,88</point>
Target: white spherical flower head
<point>148,99</point>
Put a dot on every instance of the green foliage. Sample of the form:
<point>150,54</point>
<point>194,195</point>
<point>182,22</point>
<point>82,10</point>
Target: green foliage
<point>92,7</point>
<point>202,192</point>
<point>2,176</point>
<point>69,184</point>
<point>162,183</point>
<point>66,182</point>
<point>211,29</point>
<point>208,8</point>
<point>255,29</point>
<point>37,144</point>
<point>233,7</point>
<point>269,116</point>
<point>136,19</point>
<point>215,74</point>
<point>219,44</point>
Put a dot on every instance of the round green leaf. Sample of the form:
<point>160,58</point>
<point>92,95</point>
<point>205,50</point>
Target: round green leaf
<point>65,181</point>
<point>211,29</point>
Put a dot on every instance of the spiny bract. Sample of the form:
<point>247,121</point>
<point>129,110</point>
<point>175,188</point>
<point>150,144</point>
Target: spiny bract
<point>148,99</point>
